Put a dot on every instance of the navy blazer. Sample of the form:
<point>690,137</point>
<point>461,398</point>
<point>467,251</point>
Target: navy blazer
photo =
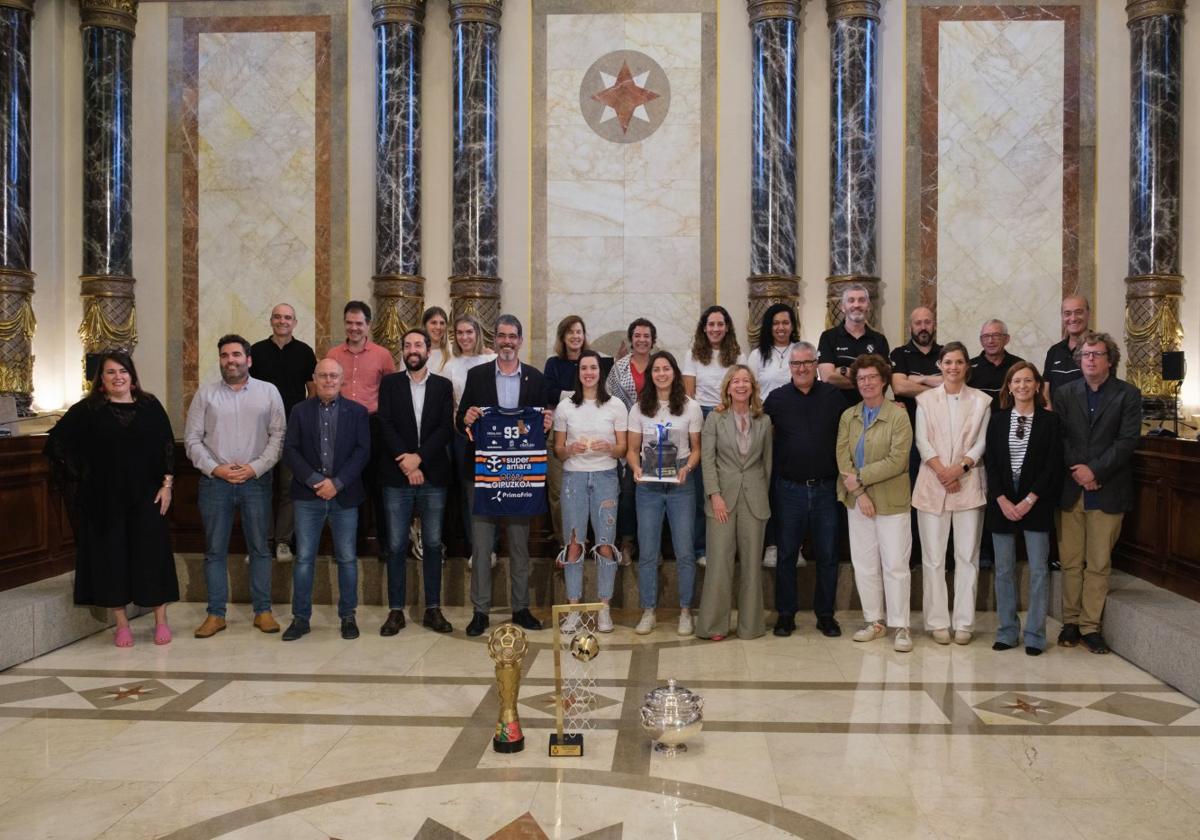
<point>1041,471</point>
<point>1105,442</point>
<point>351,450</point>
<point>480,390</point>
<point>398,424</point>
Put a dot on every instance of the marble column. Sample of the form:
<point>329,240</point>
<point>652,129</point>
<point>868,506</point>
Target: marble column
<point>775,120</point>
<point>399,286</point>
<point>16,280</point>
<point>1154,285</point>
<point>475,255</point>
<point>106,285</point>
<point>853,143</point>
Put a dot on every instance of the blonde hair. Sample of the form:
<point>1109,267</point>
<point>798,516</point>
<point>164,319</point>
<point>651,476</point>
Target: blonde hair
<point>479,347</point>
<point>756,408</point>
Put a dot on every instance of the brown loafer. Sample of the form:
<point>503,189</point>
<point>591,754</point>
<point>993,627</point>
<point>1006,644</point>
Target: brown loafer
<point>212,625</point>
<point>266,622</point>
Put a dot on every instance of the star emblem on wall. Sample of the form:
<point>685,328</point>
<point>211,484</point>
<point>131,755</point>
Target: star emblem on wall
<point>625,97</point>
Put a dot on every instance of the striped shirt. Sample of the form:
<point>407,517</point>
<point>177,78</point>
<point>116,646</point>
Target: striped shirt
<point>1017,445</point>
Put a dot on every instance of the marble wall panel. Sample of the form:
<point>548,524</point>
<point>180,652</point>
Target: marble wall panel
<point>615,218</point>
<point>1000,165</point>
<point>256,213</point>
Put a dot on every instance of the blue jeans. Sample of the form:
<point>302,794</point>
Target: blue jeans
<point>700,526</point>
<point>343,525</point>
<point>1037,546</point>
<point>678,503</point>
<point>218,500</point>
<point>590,495</point>
<point>801,509</point>
<point>400,502</point>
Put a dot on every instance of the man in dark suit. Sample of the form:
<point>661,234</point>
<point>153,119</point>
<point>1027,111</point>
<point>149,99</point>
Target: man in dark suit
<point>1102,422</point>
<point>416,410</point>
<point>505,383</point>
<point>327,445</point>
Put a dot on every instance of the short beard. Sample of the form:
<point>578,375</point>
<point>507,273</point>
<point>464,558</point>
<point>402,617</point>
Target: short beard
<point>410,366</point>
<point>928,338</point>
<point>233,380</point>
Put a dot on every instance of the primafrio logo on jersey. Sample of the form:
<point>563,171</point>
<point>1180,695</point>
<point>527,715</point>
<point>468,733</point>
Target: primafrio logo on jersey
<point>510,462</point>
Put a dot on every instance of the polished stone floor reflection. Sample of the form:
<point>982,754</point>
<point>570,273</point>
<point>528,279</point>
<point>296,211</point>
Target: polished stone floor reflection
<point>244,736</point>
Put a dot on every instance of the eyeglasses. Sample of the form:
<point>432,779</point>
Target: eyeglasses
<point>1093,354</point>
<point>802,363</point>
<point>992,336</point>
<point>869,377</point>
<point>1022,420</point>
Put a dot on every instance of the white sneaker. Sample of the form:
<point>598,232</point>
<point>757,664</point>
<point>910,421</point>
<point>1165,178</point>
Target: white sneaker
<point>903,641</point>
<point>283,553</point>
<point>701,561</point>
<point>647,623</point>
<point>770,556</point>
<point>800,561</point>
<point>685,624</point>
<point>870,632</point>
<point>495,559</point>
<point>604,621</point>
<point>570,624</point>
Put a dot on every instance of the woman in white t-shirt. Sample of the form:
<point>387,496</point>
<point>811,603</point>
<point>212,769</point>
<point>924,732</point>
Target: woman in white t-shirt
<point>714,351</point>
<point>778,333</point>
<point>435,320</point>
<point>589,437</point>
<point>665,423</point>
<point>469,352</point>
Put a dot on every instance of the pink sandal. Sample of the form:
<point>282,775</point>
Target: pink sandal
<point>124,637</point>
<point>162,634</point>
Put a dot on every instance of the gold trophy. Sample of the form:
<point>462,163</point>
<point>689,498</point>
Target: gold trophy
<point>574,626</point>
<point>507,646</point>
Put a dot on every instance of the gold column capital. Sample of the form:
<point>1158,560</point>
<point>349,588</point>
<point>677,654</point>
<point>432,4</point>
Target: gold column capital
<point>398,11</point>
<point>761,10</point>
<point>1135,10</point>
<point>476,11</point>
<point>110,14</point>
<point>839,9</point>
<point>19,5</point>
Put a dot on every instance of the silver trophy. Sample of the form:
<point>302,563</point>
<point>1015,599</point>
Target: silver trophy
<point>671,716</point>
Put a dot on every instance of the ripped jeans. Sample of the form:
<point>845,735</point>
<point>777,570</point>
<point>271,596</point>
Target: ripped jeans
<point>594,495</point>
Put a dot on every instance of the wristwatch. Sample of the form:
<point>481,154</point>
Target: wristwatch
<point>966,467</point>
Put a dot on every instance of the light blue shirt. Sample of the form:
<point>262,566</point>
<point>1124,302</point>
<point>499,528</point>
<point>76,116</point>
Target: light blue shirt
<point>508,388</point>
<point>869,415</point>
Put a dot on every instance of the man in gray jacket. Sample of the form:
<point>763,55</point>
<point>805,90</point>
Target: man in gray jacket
<point>1102,422</point>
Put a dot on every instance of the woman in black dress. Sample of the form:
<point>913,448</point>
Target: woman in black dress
<point>113,457</point>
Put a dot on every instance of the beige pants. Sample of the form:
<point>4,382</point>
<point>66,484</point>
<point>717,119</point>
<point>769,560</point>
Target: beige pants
<point>739,539</point>
<point>879,550</point>
<point>1085,544</point>
<point>935,533</point>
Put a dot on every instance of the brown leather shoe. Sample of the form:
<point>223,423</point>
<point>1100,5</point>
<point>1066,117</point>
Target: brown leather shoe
<point>266,622</point>
<point>212,625</point>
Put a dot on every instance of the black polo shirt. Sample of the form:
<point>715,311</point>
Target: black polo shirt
<point>908,359</point>
<point>988,377</point>
<point>289,368</point>
<point>838,348</point>
<point>806,429</point>
<point>1061,366</point>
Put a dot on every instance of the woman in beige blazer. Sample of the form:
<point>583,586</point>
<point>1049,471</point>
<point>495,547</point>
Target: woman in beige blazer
<point>951,490</point>
<point>736,463</point>
<point>874,439</point>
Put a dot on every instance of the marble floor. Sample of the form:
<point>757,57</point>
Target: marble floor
<point>242,736</point>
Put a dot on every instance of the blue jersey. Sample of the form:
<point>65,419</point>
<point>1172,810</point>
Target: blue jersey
<point>510,462</point>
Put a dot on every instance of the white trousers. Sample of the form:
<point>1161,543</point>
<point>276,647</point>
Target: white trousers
<point>879,551</point>
<point>935,532</point>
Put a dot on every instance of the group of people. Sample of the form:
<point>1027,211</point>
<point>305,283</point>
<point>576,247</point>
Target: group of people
<point>744,455</point>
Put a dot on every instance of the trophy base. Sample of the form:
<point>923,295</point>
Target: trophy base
<point>508,746</point>
<point>670,749</point>
<point>569,746</point>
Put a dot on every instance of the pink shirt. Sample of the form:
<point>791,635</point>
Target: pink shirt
<point>363,371</point>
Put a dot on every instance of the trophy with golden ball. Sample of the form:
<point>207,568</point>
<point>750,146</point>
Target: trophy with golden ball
<point>507,646</point>
<point>575,646</point>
